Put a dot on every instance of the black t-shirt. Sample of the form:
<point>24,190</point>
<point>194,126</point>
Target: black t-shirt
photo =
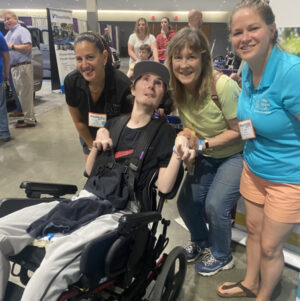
<point>113,100</point>
<point>158,155</point>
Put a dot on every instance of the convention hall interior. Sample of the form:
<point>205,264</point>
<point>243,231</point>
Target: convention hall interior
<point>50,151</point>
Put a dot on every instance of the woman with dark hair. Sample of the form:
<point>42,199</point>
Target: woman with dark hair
<point>269,114</point>
<point>140,36</point>
<point>214,182</point>
<point>162,39</point>
<point>96,91</point>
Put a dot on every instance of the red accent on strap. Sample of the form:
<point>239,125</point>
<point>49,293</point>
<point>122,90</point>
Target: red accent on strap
<point>123,153</point>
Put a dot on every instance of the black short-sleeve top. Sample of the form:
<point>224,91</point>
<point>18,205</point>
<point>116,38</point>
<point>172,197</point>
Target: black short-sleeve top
<point>113,101</point>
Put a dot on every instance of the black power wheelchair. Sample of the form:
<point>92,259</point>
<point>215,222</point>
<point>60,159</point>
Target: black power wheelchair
<point>125,264</point>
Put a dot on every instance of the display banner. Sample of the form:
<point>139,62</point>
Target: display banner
<point>61,43</point>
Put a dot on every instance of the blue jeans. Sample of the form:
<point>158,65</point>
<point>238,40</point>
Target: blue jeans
<point>215,187</point>
<point>4,130</point>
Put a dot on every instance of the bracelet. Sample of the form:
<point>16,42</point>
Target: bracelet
<point>200,147</point>
<point>206,143</point>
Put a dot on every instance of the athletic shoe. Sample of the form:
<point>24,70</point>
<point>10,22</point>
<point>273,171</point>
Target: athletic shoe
<point>16,114</point>
<point>193,251</point>
<point>209,265</point>
<point>5,139</point>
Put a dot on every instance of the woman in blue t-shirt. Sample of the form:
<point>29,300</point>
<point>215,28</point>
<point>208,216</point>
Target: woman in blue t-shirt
<point>269,114</point>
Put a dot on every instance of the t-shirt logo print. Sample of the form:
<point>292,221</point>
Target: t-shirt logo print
<point>262,106</point>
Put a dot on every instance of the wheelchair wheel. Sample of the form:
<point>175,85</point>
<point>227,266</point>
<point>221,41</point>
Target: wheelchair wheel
<point>170,280</point>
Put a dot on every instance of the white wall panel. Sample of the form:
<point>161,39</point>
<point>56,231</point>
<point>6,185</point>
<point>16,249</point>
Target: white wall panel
<point>287,12</point>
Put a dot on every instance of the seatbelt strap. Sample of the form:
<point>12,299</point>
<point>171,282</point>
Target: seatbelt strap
<point>107,158</point>
<point>135,163</point>
<point>117,128</point>
<point>137,159</point>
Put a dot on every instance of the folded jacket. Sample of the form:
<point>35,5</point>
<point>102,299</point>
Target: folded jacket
<point>68,216</point>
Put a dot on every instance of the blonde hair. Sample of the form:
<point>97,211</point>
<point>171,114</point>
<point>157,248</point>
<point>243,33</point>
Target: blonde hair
<point>194,39</point>
<point>147,30</point>
<point>10,12</point>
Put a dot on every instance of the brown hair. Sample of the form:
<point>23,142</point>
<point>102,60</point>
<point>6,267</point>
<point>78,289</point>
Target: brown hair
<point>194,39</point>
<point>97,40</point>
<point>146,47</point>
<point>262,7</point>
<point>147,30</point>
<point>169,25</point>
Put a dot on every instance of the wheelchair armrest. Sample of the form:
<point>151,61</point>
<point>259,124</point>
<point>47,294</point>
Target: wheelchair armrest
<point>35,189</point>
<point>11,205</point>
<point>130,221</point>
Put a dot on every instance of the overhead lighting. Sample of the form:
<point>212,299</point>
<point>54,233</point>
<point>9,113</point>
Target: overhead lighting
<point>37,10</point>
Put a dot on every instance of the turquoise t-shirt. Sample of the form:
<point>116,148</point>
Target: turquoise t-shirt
<point>274,154</point>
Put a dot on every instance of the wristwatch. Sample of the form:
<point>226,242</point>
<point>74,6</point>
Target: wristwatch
<point>12,47</point>
<point>206,143</point>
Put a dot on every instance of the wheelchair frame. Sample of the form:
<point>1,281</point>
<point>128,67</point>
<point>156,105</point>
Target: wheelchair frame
<point>144,275</point>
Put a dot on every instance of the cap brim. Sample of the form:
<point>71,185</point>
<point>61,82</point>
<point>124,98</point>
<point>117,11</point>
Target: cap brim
<point>156,68</point>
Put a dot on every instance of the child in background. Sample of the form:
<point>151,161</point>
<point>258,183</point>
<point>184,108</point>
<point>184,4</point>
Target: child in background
<point>144,54</point>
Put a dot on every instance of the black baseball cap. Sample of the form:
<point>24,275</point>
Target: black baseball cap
<point>156,68</point>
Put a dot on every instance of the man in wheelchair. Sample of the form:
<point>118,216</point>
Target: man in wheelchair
<point>107,194</point>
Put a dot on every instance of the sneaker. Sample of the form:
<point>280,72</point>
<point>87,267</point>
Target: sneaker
<point>209,265</point>
<point>23,124</point>
<point>193,251</point>
<point>16,114</point>
<point>5,139</point>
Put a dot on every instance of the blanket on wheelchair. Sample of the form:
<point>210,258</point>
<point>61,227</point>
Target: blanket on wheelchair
<point>69,215</point>
<point>111,194</point>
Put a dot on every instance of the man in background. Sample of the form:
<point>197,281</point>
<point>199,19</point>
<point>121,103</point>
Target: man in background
<point>4,74</point>
<point>107,37</point>
<point>19,43</point>
<point>195,18</point>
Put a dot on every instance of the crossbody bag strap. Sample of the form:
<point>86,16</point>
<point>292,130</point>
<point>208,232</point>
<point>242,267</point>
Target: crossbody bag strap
<point>214,94</point>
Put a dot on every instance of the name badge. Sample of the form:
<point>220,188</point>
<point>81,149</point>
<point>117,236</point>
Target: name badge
<point>97,120</point>
<point>246,129</point>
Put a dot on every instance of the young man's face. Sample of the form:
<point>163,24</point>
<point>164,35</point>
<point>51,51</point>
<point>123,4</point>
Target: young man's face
<point>148,90</point>
<point>144,55</point>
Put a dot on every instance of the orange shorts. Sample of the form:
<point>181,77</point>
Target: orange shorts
<point>281,200</point>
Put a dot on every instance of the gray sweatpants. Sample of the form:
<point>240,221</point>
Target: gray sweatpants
<point>60,267</point>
